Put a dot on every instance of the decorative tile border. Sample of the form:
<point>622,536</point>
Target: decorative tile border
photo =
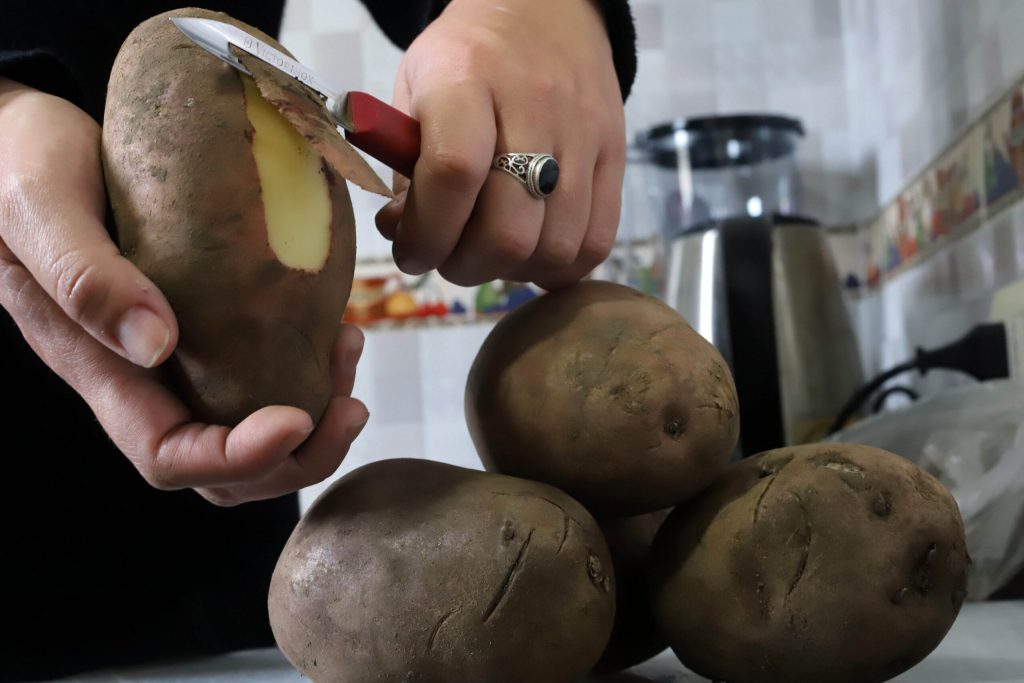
<point>979,175</point>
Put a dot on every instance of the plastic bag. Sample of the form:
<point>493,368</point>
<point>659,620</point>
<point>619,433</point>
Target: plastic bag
<point>971,439</point>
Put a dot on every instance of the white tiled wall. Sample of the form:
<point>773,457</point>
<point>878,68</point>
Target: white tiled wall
<point>917,73</point>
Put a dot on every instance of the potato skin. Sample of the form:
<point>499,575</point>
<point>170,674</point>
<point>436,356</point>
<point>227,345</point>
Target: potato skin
<point>412,570</point>
<point>605,393</point>
<point>186,198</point>
<point>635,635</point>
<point>824,563</point>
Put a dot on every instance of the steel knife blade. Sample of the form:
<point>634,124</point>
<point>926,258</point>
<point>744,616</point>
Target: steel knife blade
<point>373,126</point>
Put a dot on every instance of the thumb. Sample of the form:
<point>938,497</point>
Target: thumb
<point>51,222</point>
<point>81,269</point>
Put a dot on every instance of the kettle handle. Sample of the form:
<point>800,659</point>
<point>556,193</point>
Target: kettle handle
<point>747,263</point>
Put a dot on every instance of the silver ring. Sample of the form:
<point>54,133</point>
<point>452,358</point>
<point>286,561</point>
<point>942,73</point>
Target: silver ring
<point>537,172</point>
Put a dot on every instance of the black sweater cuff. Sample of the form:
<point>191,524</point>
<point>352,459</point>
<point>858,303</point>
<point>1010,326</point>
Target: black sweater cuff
<point>41,70</point>
<point>622,34</point>
<point>401,24</point>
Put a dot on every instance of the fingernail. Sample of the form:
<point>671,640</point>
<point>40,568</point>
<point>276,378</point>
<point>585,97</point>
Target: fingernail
<point>143,335</point>
<point>356,351</point>
<point>411,266</point>
<point>355,429</point>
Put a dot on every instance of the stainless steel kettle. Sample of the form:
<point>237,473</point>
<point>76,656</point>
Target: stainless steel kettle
<point>751,276</point>
<point>766,293</point>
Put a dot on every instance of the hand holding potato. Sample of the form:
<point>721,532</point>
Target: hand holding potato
<point>496,76</point>
<point>102,326</point>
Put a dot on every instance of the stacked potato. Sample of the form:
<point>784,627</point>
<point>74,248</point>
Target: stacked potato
<point>597,409</point>
<point>821,563</point>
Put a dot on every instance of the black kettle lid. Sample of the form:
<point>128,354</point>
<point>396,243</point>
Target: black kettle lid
<point>722,140</point>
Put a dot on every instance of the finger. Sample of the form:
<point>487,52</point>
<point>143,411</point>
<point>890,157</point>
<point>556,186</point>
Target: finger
<point>605,211</point>
<point>318,458</point>
<point>502,234</point>
<point>388,217</point>
<point>191,454</point>
<point>566,217</point>
<point>68,251</point>
<point>344,358</point>
<point>321,455</point>
<point>390,214</point>
<point>505,228</point>
<point>458,138</point>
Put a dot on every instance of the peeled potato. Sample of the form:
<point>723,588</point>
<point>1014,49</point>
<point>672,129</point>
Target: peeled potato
<point>235,215</point>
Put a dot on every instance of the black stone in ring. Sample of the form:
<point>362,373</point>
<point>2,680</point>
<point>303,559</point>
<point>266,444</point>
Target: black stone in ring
<point>537,172</point>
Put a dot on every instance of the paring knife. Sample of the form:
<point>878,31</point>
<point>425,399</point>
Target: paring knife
<point>378,129</point>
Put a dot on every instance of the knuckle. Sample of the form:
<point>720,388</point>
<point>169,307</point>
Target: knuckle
<point>514,245</point>
<point>454,168</point>
<point>482,47</point>
<point>80,287</point>
<point>551,88</point>
<point>596,247</point>
<point>559,251</point>
<point>158,478</point>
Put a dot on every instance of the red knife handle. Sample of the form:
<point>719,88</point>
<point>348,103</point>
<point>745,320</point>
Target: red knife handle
<point>383,132</point>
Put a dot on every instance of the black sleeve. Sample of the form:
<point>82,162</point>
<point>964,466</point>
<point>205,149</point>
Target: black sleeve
<point>40,69</point>
<point>403,20</point>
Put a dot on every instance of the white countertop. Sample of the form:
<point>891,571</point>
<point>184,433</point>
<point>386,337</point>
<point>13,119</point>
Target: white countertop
<point>986,645</point>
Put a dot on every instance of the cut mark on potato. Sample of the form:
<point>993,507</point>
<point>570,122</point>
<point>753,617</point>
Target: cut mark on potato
<point>805,553</point>
<point>296,198</point>
<point>510,575</point>
<point>760,498</point>
<point>437,628</point>
<point>849,473</point>
<point>565,534</point>
<point>567,519</point>
<point>304,109</point>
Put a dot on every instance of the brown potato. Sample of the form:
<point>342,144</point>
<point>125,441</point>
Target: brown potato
<point>411,570</point>
<point>237,219</point>
<point>824,563</point>
<point>605,393</point>
<point>635,635</point>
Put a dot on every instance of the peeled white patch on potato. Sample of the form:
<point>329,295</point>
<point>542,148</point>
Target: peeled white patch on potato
<point>296,198</point>
<point>306,111</point>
